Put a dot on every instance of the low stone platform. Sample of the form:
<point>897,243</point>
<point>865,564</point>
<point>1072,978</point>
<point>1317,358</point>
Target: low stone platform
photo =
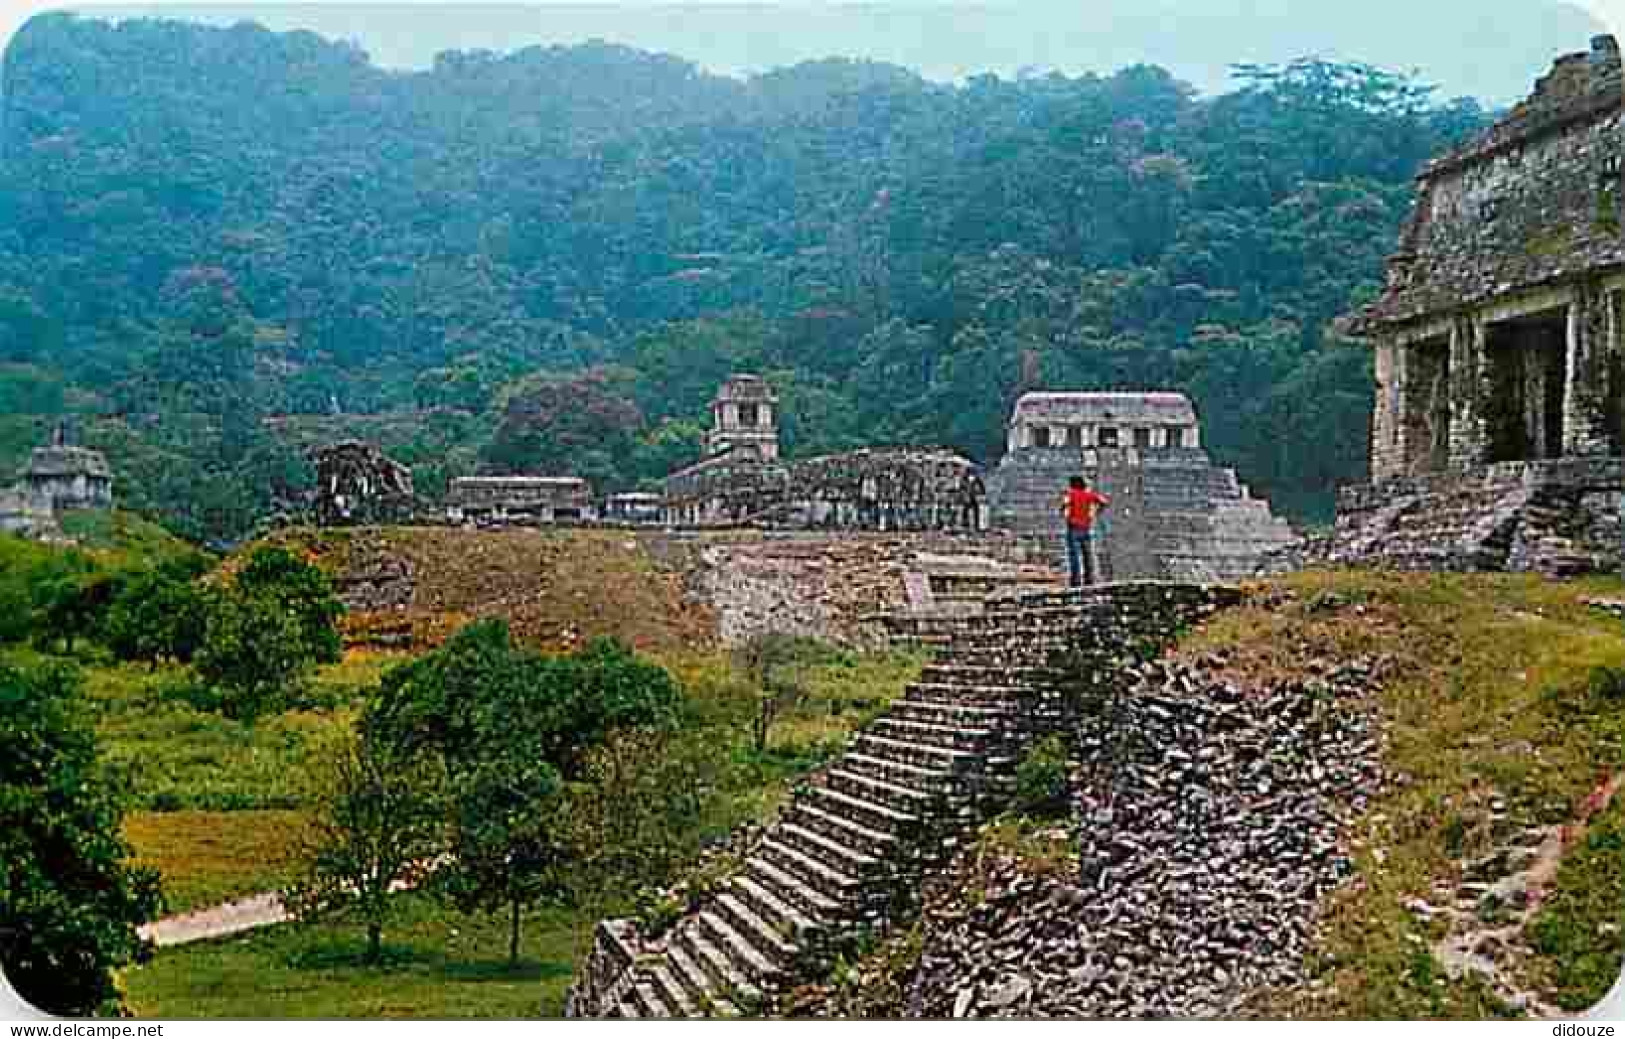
<point>1559,518</point>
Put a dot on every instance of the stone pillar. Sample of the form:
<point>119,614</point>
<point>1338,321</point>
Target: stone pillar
<point>1469,388</point>
<point>1387,416</point>
<point>1585,371</point>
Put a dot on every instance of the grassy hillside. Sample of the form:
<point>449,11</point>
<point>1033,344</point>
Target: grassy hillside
<point>1502,709</point>
<point>556,588</point>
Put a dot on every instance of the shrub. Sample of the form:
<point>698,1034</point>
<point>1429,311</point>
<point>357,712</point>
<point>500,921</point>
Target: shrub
<point>1040,786</point>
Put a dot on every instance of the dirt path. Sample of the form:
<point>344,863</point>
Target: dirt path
<point>245,914</point>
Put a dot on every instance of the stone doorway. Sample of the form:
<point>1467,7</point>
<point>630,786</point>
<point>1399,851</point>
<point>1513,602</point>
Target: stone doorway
<point>1527,360</point>
<point>1427,412</point>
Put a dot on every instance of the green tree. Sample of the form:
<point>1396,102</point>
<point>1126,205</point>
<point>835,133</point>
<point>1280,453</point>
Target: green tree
<point>264,629</point>
<point>378,826</point>
<point>508,724</point>
<point>69,901</point>
<point>158,614</point>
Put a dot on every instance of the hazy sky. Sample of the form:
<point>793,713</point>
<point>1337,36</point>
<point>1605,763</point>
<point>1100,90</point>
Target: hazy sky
<point>1490,48</point>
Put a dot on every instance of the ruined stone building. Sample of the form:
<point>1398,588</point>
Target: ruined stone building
<point>520,500</point>
<point>744,419</point>
<point>1498,422</point>
<point>60,477</point>
<point>870,489</point>
<point>742,481</point>
<point>637,508</point>
<point>358,484</point>
<point>1174,514</point>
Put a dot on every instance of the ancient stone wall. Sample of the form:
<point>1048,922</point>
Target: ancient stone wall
<point>886,490</point>
<point>836,587</point>
<point>1210,822</point>
<point>1557,518</point>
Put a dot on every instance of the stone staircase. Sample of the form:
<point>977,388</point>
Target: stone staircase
<point>850,851</point>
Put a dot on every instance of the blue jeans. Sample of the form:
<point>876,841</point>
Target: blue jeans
<point>1079,557</point>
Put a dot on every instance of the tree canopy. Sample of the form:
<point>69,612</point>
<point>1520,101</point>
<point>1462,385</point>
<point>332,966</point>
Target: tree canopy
<point>226,244</point>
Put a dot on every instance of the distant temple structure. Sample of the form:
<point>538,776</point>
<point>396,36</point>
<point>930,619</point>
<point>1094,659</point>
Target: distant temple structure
<point>744,419</point>
<point>520,500</point>
<point>742,481</point>
<point>356,483</point>
<point>1174,514</point>
<point>60,477</point>
<point>1499,420</point>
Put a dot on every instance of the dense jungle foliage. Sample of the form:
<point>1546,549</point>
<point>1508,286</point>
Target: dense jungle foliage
<point>222,246</point>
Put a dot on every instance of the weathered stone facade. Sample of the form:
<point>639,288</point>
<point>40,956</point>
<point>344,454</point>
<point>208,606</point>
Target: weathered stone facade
<point>358,484</point>
<point>742,481</point>
<point>60,477</point>
<point>886,489</point>
<point>637,508</point>
<point>1498,336</point>
<point>519,500</point>
<point>1174,515</point>
<point>744,419</point>
<point>837,586</point>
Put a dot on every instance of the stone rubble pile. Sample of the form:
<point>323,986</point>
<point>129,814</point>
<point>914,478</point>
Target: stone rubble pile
<point>1207,830</point>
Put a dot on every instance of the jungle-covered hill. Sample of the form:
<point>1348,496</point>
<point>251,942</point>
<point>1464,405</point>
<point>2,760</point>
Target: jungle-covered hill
<point>222,245</point>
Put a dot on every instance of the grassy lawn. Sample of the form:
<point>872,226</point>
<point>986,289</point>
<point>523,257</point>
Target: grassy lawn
<point>207,858</point>
<point>178,754</point>
<point>437,964</point>
<point>1488,693</point>
<point>440,964</point>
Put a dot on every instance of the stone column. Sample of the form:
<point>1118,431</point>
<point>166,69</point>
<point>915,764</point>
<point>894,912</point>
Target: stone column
<point>1585,371</point>
<point>1387,416</point>
<point>1469,388</point>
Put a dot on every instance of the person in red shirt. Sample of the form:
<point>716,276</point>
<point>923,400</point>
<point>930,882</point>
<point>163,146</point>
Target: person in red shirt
<point>1080,506</point>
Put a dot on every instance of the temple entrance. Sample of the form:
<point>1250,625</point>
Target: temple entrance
<point>1427,409</point>
<point>1526,358</point>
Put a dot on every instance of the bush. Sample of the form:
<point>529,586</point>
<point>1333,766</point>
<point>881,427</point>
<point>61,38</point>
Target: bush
<point>1040,787</point>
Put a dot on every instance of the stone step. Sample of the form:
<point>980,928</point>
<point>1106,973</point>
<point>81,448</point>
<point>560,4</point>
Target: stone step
<point>726,979</point>
<point>771,934</point>
<point>918,754</point>
<point>873,822</point>
<point>902,797</point>
<point>836,886</point>
<point>971,715</point>
<point>663,981</point>
<point>791,889</point>
<point>757,965</point>
<point>646,1002</point>
<point>768,904</point>
<point>963,694</point>
<point>838,854</point>
<point>940,782</point>
<point>832,820</point>
<point>977,740</point>
<point>943,672</point>
<point>690,975</point>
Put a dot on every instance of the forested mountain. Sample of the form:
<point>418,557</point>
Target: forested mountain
<point>224,244</point>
